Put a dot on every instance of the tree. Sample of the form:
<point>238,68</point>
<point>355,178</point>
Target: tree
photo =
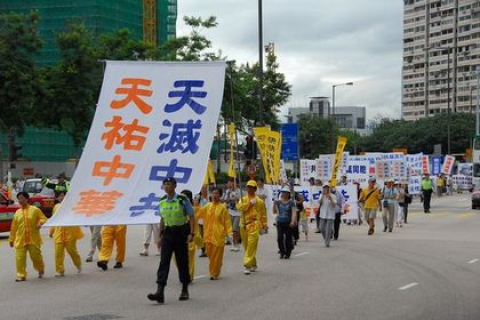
<point>314,136</point>
<point>73,84</point>
<point>421,135</point>
<point>19,43</point>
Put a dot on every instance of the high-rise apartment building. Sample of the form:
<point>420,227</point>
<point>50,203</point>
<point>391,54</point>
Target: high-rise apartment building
<point>100,16</point>
<point>441,51</point>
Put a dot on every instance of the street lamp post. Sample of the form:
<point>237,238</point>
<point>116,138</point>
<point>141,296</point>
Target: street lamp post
<point>332,136</point>
<point>260,60</point>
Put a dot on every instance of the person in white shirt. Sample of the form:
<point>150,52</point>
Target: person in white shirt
<point>230,197</point>
<point>328,207</point>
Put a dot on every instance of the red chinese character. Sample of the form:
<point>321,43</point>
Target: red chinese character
<point>129,140</point>
<point>95,203</point>
<point>133,94</point>
<point>115,169</point>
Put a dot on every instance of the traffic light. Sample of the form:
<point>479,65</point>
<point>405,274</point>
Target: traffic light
<point>15,152</point>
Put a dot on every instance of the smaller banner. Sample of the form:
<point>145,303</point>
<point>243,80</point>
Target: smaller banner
<point>289,141</point>
<point>308,169</point>
<point>425,164</point>
<point>436,164</point>
<point>465,169</point>
<point>415,184</point>
<point>342,141</point>
<point>448,165</point>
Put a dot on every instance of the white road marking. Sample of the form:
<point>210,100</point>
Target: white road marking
<point>408,286</point>
<point>301,254</point>
<point>199,277</point>
<point>473,261</point>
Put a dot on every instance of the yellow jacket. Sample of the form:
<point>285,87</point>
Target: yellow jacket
<point>24,229</point>
<point>216,223</point>
<point>253,218</point>
<point>64,234</point>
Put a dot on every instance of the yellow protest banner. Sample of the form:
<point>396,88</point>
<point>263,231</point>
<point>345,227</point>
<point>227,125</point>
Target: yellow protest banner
<point>269,144</point>
<point>231,137</point>
<point>341,143</point>
<point>209,175</point>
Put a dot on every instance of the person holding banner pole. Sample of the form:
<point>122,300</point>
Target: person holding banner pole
<point>217,226</point>
<point>370,200</point>
<point>147,238</point>
<point>338,212</point>
<point>176,232</point>
<point>390,198</point>
<point>286,218</point>
<point>25,237</point>
<point>95,241</point>
<point>253,220</point>
<point>65,239</point>
<point>327,209</point>
<point>112,235</point>
<point>231,197</point>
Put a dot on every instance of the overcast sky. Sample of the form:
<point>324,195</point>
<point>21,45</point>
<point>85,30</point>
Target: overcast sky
<point>318,43</point>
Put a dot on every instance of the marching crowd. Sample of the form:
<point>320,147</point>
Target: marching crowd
<point>208,222</point>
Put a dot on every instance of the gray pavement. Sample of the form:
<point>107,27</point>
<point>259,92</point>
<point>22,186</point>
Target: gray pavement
<point>429,269</point>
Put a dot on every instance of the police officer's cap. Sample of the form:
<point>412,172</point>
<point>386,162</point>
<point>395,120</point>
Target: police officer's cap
<point>170,179</point>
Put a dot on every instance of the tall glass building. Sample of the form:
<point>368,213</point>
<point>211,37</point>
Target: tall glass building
<point>100,16</point>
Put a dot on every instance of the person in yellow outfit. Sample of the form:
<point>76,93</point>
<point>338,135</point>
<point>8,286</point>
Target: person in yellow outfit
<point>111,235</point>
<point>65,239</point>
<point>197,242</point>
<point>253,220</point>
<point>216,227</point>
<point>25,237</point>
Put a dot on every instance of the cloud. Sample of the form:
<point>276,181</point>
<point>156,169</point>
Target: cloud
<point>318,43</point>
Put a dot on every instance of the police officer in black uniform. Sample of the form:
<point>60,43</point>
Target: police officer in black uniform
<point>175,234</point>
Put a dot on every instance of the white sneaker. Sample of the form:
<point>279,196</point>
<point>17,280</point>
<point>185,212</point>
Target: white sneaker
<point>246,271</point>
<point>57,275</point>
<point>79,269</point>
<point>157,254</point>
<point>236,249</point>
<point>144,253</point>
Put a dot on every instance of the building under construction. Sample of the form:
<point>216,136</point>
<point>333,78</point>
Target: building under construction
<point>151,20</point>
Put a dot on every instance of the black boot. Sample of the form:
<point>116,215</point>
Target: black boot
<point>158,296</point>
<point>184,295</point>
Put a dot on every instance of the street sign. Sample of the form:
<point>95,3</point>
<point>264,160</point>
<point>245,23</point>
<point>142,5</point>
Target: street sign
<point>289,141</point>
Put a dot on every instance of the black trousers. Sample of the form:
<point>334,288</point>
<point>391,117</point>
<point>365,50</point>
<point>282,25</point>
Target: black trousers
<point>284,238</point>
<point>427,197</point>
<point>174,240</point>
<point>405,212</point>
<point>336,225</point>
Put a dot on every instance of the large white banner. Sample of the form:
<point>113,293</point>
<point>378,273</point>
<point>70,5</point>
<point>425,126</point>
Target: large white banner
<point>311,195</point>
<point>414,184</point>
<point>153,120</point>
<point>465,169</point>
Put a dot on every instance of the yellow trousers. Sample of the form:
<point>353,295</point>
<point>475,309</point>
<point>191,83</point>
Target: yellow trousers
<point>111,235</point>
<point>250,243</point>
<point>215,255</point>
<point>192,248</point>
<point>21,259</point>
<point>71,248</point>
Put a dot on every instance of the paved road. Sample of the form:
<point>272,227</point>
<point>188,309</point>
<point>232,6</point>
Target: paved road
<point>429,269</point>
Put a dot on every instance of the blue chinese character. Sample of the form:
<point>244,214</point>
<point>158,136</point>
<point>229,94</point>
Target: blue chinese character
<point>363,170</point>
<point>316,196</point>
<point>184,137</point>
<point>305,195</point>
<point>159,173</point>
<point>356,169</point>
<point>345,195</point>
<point>149,202</point>
<point>186,96</point>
